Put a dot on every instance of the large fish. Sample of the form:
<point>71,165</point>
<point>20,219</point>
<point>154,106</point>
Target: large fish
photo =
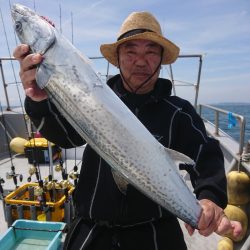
<point>101,118</point>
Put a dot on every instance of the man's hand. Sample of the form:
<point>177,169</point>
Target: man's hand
<point>28,63</point>
<point>213,219</point>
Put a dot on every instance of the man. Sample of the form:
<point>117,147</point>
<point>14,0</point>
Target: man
<point>112,214</point>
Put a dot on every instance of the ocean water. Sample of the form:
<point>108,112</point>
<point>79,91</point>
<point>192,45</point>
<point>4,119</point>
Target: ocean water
<point>237,108</point>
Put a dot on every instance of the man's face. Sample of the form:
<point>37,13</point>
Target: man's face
<point>138,60</point>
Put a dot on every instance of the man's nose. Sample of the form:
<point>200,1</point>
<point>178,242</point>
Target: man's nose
<point>141,60</point>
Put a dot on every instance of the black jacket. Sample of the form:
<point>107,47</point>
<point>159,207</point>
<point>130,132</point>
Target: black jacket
<point>174,123</point>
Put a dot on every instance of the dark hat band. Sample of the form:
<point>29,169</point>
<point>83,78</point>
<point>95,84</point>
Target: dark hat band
<point>133,32</point>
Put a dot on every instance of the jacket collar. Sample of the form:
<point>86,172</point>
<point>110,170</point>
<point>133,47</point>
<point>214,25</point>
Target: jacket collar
<point>163,88</point>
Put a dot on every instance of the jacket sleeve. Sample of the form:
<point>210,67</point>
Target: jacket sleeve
<point>208,173</point>
<point>51,124</point>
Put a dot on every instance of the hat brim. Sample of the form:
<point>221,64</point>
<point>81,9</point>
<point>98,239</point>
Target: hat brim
<point>170,53</point>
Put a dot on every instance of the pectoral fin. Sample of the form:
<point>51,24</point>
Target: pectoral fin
<point>179,157</point>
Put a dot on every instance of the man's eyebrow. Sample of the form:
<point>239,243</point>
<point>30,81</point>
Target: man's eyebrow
<point>129,44</point>
<point>153,45</point>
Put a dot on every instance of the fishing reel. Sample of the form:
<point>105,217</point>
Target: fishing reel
<point>50,185</point>
<point>58,185</point>
<point>32,171</point>
<point>2,181</point>
<point>40,194</point>
<point>64,184</point>
<point>59,168</point>
<point>38,191</point>
<point>12,175</point>
<point>74,175</point>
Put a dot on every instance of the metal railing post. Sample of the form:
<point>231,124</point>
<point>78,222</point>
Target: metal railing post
<point>216,122</point>
<point>4,86</point>
<point>242,134</point>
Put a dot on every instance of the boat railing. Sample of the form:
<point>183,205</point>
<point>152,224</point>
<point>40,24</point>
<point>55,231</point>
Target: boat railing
<point>217,114</point>
<point>3,79</point>
<point>196,85</point>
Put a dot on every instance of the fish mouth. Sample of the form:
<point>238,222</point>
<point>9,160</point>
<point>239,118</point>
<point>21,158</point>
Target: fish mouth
<point>16,10</point>
<point>20,10</point>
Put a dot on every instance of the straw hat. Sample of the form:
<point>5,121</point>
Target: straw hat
<point>141,25</point>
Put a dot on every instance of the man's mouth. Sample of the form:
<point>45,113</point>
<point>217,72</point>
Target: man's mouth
<point>141,74</point>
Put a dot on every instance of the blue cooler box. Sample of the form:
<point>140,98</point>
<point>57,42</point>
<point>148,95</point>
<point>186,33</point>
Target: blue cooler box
<point>35,235</point>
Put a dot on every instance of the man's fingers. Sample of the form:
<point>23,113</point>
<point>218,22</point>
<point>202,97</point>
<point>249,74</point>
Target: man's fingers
<point>237,228</point>
<point>27,61</point>
<point>224,226</point>
<point>227,227</point>
<point>207,223</point>
<point>36,94</point>
<point>30,61</point>
<point>213,219</point>
<point>21,51</point>
<point>27,77</point>
<point>190,229</point>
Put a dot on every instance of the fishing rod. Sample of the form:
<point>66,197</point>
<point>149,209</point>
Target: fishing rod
<point>59,167</point>
<point>11,61</point>
<point>72,26</point>
<point>14,75</point>
<point>50,182</point>
<point>60,17</point>
<point>34,5</point>
<point>40,193</point>
<point>65,170</point>
<point>12,174</point>
<point>13,30</point>
<point>35,168</point>
<point>74,175</point>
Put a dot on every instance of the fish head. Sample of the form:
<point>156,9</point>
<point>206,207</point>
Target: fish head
<point>32,29</point>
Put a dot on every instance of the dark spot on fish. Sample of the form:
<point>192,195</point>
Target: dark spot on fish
<point>75,72</point>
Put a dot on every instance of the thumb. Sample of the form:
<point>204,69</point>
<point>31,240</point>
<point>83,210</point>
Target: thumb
<point>228,227</point>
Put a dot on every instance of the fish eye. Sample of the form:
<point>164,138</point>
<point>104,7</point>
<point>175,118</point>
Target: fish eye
<point>18,26</point>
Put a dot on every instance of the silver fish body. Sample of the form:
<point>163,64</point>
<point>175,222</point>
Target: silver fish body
<point>101,118</point>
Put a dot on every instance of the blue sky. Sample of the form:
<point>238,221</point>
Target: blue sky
<point>217,29</point>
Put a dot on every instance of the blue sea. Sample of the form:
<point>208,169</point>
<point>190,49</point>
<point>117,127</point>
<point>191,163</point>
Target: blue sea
<point>237,108</point>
